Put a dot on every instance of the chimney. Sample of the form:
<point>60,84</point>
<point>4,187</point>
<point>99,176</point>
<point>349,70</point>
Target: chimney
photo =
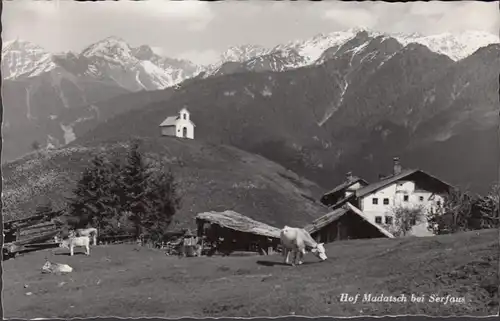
<point>397,166</point>
<point>348,176</point>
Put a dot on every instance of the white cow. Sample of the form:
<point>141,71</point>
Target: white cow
<point>49,267</point>
<point>74,241</point>
<point>298,240</point>
<point>90,232</point>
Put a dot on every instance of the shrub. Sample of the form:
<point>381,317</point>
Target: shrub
<point>405,218</point>
<point>463,212</point>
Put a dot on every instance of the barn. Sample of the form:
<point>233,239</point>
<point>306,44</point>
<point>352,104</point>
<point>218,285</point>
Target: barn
<point>344,223</point>
<point>230,231</point>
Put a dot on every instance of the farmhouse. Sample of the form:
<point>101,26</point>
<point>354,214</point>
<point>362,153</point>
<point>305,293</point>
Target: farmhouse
<point>229,231</point>
<point>346,189</point>
<point>178,126</point>
<point>404,188</point>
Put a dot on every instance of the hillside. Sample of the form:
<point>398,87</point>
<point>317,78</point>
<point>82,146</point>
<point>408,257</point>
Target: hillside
<point>122,281</point>
<point>211,177</point>
<point>446,125</point>
<point>32,109</point>
<point>372,99</point>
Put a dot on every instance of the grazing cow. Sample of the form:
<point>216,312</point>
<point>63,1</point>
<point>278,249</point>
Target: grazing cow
<point>90,232</point>
<point>74,241</point>
<point>298,240</point>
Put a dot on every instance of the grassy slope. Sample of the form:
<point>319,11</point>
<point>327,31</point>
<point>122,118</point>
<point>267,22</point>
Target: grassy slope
<point>211,177</point>
<point>128,282</point>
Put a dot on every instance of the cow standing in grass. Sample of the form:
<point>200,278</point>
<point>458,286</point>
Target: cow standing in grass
<point>76,241</point>
<point>91,232</point>
<point>298,240</point>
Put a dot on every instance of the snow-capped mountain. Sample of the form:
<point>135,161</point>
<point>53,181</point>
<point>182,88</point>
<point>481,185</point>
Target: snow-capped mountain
<point>243,53</point>
<point>312,49</point>
<point>110,59</point>
<point>279,60</point>
<point>179,69</point>
<point>457,46</point>
<point>114,59</point>
<point>24,58</point>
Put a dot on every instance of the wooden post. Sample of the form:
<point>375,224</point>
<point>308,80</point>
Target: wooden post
<point>18,234</point>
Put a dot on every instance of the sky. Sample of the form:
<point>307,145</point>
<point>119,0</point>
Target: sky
<point>200,31</point>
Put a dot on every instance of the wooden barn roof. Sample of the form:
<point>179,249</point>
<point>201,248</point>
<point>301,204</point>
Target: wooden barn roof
<point>326,219</point>
<point>392,179</point>
<point>238,222</point>
<point>331,217</point>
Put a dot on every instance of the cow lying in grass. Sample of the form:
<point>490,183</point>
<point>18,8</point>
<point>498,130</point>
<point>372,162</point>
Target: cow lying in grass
<point>298,240</point>
<point>75,241</point>
<point>56,268</point>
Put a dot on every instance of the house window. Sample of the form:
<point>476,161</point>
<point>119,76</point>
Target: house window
<point>374,201</point>
<point>388,220</point>
<point>378,219</point>
<point>386,201</point>
<point>184,116</point>
<point>406,198</point>
<point>421,198</point>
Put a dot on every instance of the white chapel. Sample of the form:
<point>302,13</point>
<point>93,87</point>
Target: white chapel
<point>178,126</point>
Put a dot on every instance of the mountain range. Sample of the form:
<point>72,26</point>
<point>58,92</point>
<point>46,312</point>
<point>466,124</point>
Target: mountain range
<point>346,101</point>
<point>58,89</point>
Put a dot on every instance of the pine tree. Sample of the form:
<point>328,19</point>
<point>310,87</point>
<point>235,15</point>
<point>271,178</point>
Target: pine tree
<point>163,202</point>
<point>134,181</point>
<point>94,198</point>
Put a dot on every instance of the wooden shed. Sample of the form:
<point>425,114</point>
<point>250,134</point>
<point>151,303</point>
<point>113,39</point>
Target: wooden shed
<point>229,231</point>
<point>343,223</point>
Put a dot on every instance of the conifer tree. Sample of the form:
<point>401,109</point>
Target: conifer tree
<point>134,180</point>
<point>163,202</point>
<point>94,200</point>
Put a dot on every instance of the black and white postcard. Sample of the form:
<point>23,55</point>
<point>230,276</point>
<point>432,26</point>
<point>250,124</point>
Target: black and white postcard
<point>250,158</point>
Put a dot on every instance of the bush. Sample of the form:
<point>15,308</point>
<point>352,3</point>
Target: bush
<point>463,212</point>
<point>405,218</point>
<point>485,210</point>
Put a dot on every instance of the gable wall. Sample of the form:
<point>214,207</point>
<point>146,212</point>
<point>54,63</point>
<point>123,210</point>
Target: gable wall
<point>395,194</point>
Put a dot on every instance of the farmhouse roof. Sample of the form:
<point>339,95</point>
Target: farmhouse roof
<point>238,222</point>
<point>345,185</point>
<point>391,179</point>
<point>331,217</point>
